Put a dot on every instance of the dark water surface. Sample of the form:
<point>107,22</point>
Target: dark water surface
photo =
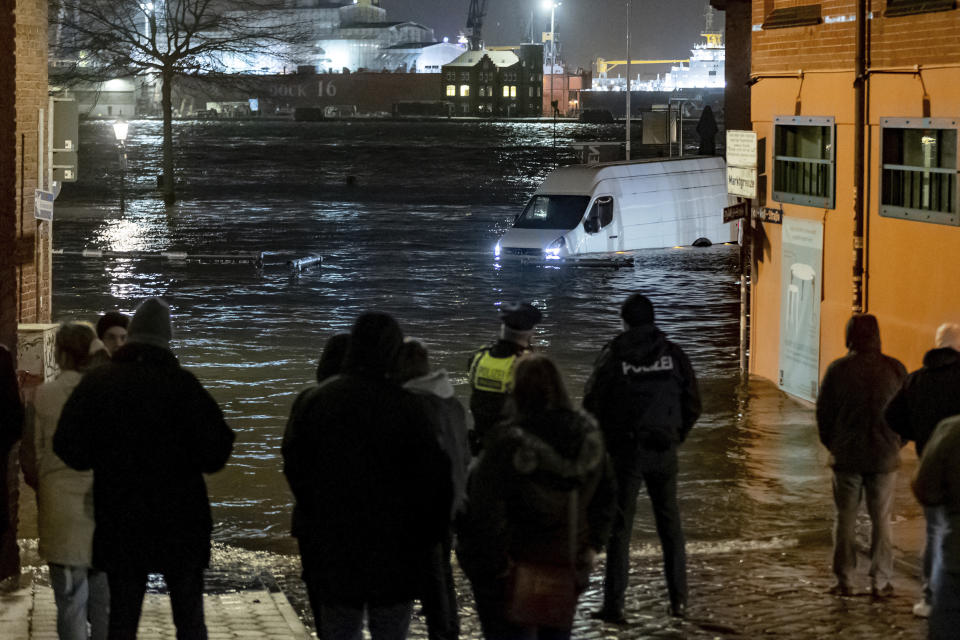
<point>413,236</point>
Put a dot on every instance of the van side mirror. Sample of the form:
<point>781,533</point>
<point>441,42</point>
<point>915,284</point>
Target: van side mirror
<point>591,224</point>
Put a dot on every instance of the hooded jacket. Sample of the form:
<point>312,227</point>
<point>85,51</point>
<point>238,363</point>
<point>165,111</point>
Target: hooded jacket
<point>518,497</point>
<point>644,393</point>
<point>149,431</point>
<point>927,396</point>
<point>372,486</point>
<point>449,421</point>
<point>853,394</point>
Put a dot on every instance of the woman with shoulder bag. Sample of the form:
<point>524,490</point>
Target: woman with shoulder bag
<point>540,504</point>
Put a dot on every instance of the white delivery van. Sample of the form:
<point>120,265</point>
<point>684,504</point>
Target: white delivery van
<point>622,206</point>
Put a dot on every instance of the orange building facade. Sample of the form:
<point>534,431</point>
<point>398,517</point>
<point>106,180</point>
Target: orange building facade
<point>804,111</point>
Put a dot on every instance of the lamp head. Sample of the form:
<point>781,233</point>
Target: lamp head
<point>120,130</point>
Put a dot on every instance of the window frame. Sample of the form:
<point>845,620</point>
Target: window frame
<point>451,91</point>
<point>896,8</point>
<point>827,201</point>
<point>948,218</point>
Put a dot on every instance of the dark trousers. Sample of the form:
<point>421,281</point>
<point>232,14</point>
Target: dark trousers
<point>658,471</point>
<point>186,600</point>
<point>438,595</point>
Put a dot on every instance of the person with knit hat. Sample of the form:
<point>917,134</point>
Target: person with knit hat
<point>864,451</point>
<point>149,431</point>
<point>372,488</point>
<point>643,392</point>
<point>491,370</point>
<point>112,330</point>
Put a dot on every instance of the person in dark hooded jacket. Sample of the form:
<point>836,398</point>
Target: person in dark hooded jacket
<point>864,451</point>
<point>149,430</point>
<point>547,456</point>
<point>926,397</point>
<point>372,488</point>
<point>644,393</point>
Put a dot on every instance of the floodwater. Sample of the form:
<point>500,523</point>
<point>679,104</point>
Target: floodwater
<point>413,235</point>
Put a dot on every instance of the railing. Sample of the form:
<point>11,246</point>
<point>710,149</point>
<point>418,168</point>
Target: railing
<point>920,189</point>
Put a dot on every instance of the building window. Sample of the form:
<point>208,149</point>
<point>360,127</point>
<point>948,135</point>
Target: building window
<point>506,91</point>
<point>513,91</point>
<point>919,173</point>
<point>464,90</point>
<point>530,91</point>
<point>489,91</point>
<point>451,76</point>
<point>796,16</point>
<point>465,77</point>
<point>909,7</point>
<point>483,92</point>
<point>804,161</point>
<point>451,90</point>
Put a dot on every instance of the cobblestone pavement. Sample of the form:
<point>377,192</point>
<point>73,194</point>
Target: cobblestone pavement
<point>753,594</point>
<point>765,593</point>
<point>29,613</point>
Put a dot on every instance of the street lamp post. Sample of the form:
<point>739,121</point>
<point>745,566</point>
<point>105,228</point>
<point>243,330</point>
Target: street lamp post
<point>552,5</point>
<point>629,6</point>
<point>120,128</point>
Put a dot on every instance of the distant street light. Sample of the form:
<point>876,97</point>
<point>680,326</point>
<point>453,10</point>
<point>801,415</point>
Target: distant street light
<point>120,129</point>
<point>552,5</point>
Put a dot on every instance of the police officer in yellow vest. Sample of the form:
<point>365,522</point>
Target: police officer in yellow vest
<point>491,370</point>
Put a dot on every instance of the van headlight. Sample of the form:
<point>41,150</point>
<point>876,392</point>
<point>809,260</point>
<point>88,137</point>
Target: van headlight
<point>552,252</point>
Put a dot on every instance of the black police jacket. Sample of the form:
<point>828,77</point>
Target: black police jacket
<point>643,392</point>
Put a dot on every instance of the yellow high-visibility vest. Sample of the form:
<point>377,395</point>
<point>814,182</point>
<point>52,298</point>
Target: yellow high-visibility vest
<point>488,373</point>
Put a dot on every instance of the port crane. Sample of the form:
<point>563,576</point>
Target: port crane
<point>478,9</point>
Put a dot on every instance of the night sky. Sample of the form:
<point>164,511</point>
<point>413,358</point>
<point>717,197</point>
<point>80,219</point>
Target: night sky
<point>587,29</point>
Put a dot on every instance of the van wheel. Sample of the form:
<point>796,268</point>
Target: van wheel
<point>702,242</point>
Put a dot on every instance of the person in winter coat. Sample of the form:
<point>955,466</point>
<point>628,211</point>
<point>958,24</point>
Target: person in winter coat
<point>937,487</point>
<point>149,431</point>
<point>864,451</point>
<point>644,393</point>
<point>490,370</point>
<point>542,493</point>
<point>112,330</point>
<point>372,488</point>
<point>449,423</point>
<point>11,428</point>
<point>334,353</point>
<point>65,498</point>
<point>926,397</point>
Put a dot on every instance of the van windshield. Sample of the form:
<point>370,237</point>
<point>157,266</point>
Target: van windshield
<point>553,212</point>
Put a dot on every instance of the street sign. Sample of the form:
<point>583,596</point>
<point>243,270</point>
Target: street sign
<point>742,182</point>
<point>742,148</point>
<point>65,166</point>
<point>735,212</point>
<point>766,214</point>
<point>43,205</point>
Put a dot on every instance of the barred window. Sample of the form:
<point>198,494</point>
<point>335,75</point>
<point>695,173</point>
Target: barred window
<point>804,161</point>
<point>909,7</point>
<point>919,172</point>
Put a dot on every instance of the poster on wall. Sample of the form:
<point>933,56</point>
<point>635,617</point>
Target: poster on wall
<point>800,288</point>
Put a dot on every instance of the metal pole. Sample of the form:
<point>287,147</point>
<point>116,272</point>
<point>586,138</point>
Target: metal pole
<point>858,157</point>
<point>746,258</point>
<point>629,3</point>
<point>553,62</point>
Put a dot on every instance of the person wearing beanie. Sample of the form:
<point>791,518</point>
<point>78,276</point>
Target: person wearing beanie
<point>372,488</point>
<point>149,431</point>
<point>927,396</point>
<point>491,371</point>
<point>643,392</point>
<point>864,451</point>
<point>112,330</point>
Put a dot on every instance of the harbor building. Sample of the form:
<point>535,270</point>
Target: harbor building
<point>858,117</point>
<point>496,82</point>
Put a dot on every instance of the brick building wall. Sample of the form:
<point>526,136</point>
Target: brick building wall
<point>24,290</point>
<point>906,285</point>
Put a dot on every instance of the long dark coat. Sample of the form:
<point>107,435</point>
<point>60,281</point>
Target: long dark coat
<point>149,431</point>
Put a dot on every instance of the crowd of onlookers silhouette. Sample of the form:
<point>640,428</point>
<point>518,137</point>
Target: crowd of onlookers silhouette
<point>389,479</point>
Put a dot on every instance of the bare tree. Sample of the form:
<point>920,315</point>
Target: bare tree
<point>95,40</point>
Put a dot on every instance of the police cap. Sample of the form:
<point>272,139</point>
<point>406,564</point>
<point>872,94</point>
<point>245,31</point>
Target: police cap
<point>520,316</point>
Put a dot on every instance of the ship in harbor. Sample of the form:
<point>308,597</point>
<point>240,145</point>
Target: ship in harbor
<point>703,70</point>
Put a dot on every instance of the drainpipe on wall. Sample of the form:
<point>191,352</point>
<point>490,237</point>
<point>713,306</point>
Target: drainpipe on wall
<point>858,158</point>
